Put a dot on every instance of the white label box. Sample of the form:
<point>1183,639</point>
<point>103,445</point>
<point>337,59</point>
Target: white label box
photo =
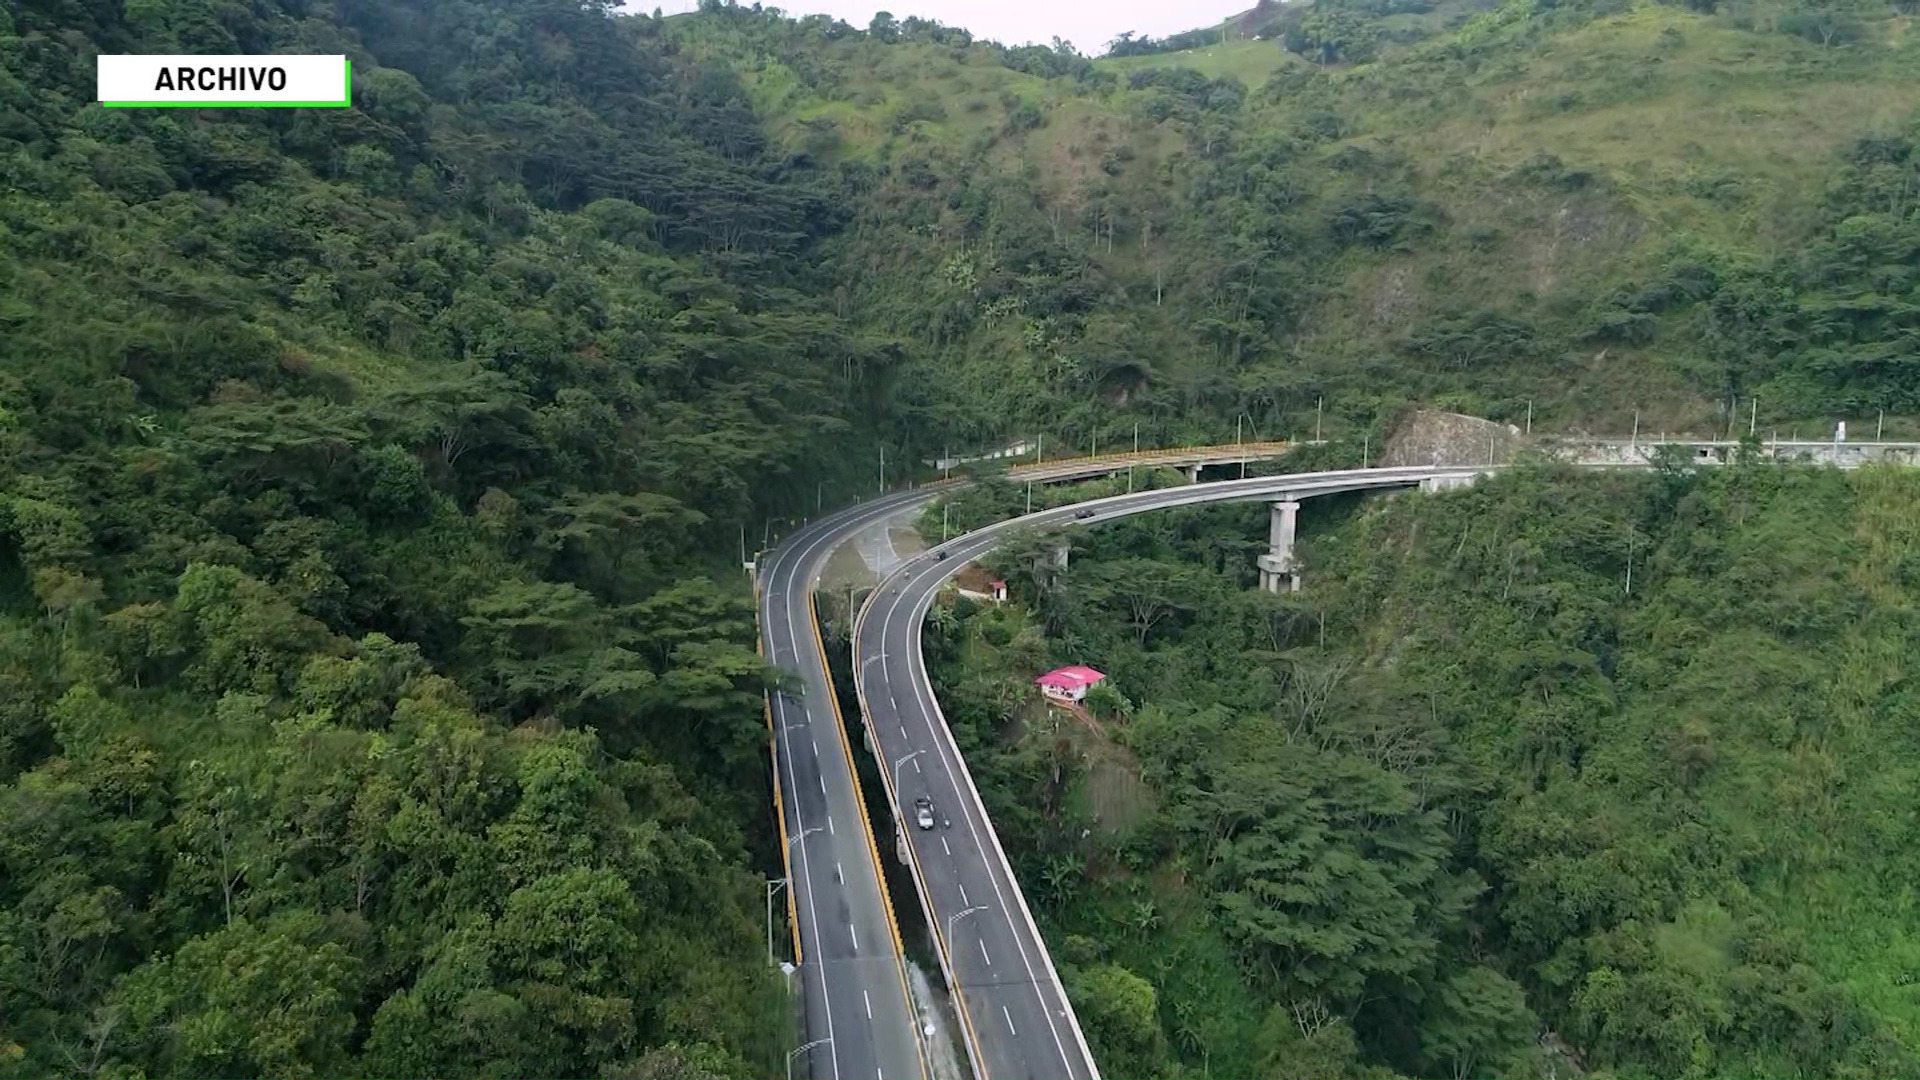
<point>213,82</point>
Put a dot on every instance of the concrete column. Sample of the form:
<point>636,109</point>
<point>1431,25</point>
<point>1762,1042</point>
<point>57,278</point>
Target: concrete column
<point>1060,556</point>
<point>1277,566</point>
<point>1193,473</point>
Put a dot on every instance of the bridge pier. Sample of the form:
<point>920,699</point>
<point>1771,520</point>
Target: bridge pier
<point>1060,555</point>
<point>1277,566</point>
<point>1447,483</point>
<point>1193,473</point>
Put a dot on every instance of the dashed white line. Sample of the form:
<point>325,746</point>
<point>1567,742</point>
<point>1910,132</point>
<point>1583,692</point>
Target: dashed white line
<point>983,953</point>
<point>823,783</point>
<point>944,847</point>
<point>816,746</point>
<point>916,764</point>
<point>869,1001</point>
<point>855,931</point>
<point>1009,1018</point>
<point>830,831</point>
<point>964,902</point>
<point>903,731</point>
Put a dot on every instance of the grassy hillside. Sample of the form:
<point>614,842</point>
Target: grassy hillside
<point>1598,207</point>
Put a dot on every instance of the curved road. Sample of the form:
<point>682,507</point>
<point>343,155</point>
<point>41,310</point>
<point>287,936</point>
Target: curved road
<point>860,1018</point>
<point>1013,1010</point>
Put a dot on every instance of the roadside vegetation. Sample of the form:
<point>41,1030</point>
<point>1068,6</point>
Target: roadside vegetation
<point>1473,803</point>
<point>378,692</point>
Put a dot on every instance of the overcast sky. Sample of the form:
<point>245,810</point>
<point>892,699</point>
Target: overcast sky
<point>1089,24</point>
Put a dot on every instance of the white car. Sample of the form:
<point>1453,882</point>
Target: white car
<point>923,812</point>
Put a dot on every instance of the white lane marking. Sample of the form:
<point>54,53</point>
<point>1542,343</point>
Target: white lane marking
<point>869,1001</point>
<point>983,952</point>
<point>1009,1017</point>
<point>830,831</point>
<point>823,783</point>
<point>806,871</point>
<point>903,731</point>
<point>855,931</point>
<point>816,746</point>
<point>890,698</point>
<point>944,847</point>
<point>922,691</point>
<point>964,902</point>
<point>916,764</point>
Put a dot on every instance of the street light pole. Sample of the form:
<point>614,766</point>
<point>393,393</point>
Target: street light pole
<point>791,1054</point>
<point>1136,453</point>
<point>774,885</point>
<point>955,918</point>
<point>903,761</point>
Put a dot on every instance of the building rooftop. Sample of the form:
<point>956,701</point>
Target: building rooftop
<point>1070,677</point>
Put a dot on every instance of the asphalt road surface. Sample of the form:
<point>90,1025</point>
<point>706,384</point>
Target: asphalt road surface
<point>1015,1015</point>
<point>860,1020</point>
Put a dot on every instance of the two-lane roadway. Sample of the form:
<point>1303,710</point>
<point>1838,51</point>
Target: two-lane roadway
<point>860,1018</point>
<point>1013,1009</point>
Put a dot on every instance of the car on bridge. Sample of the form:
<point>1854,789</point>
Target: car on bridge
<point>923,812</point>
<point>1084,512</point>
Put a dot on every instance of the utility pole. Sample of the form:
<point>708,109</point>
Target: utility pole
<point>946,463</point>
<point>1631,536</point>
<point>1136,453</point>
<point>1634,442</point>
<point>1882,428</point>
<point>943,521</point>
<point>1363,448</point>
<point>1029,496</point>
<point>743,544</point>
<point>1753,416</point>
<point>1318,404</point>
<point>1236,447</point>
<point>1529,416</point>
<point>773,886</point>
<point>883,470</point>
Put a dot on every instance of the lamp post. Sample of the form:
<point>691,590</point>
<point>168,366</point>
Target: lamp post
<point>1136,453</point>
<point>955,918</point>
<point>903,761</point>
<point>774,885</point>
<point>791,1054</point>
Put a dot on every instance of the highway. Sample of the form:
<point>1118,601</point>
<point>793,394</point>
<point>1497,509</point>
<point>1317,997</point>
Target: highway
<point>860,1021</point>
<point>1014,1013</point>
<point>1015,1018</point>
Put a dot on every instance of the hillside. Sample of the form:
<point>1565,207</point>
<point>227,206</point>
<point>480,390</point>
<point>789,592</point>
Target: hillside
<point>378,692</point>
<point>1479,801</point>
<point>1599,208</point>
<point>378,689</point>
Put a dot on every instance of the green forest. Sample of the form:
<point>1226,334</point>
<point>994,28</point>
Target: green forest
<point>1564,775</point>
<point>378,687</point>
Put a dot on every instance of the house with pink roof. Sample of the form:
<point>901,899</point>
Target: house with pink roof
<point>1068,684</point>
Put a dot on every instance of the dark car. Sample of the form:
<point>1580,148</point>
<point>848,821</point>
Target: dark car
<point>940,556</point>
<point>1083,514</point>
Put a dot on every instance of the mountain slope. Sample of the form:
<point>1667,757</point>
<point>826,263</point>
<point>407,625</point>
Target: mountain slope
<point>1597,208</point>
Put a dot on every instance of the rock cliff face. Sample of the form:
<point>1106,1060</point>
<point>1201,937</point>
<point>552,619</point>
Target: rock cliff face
<point>1431,437</point>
